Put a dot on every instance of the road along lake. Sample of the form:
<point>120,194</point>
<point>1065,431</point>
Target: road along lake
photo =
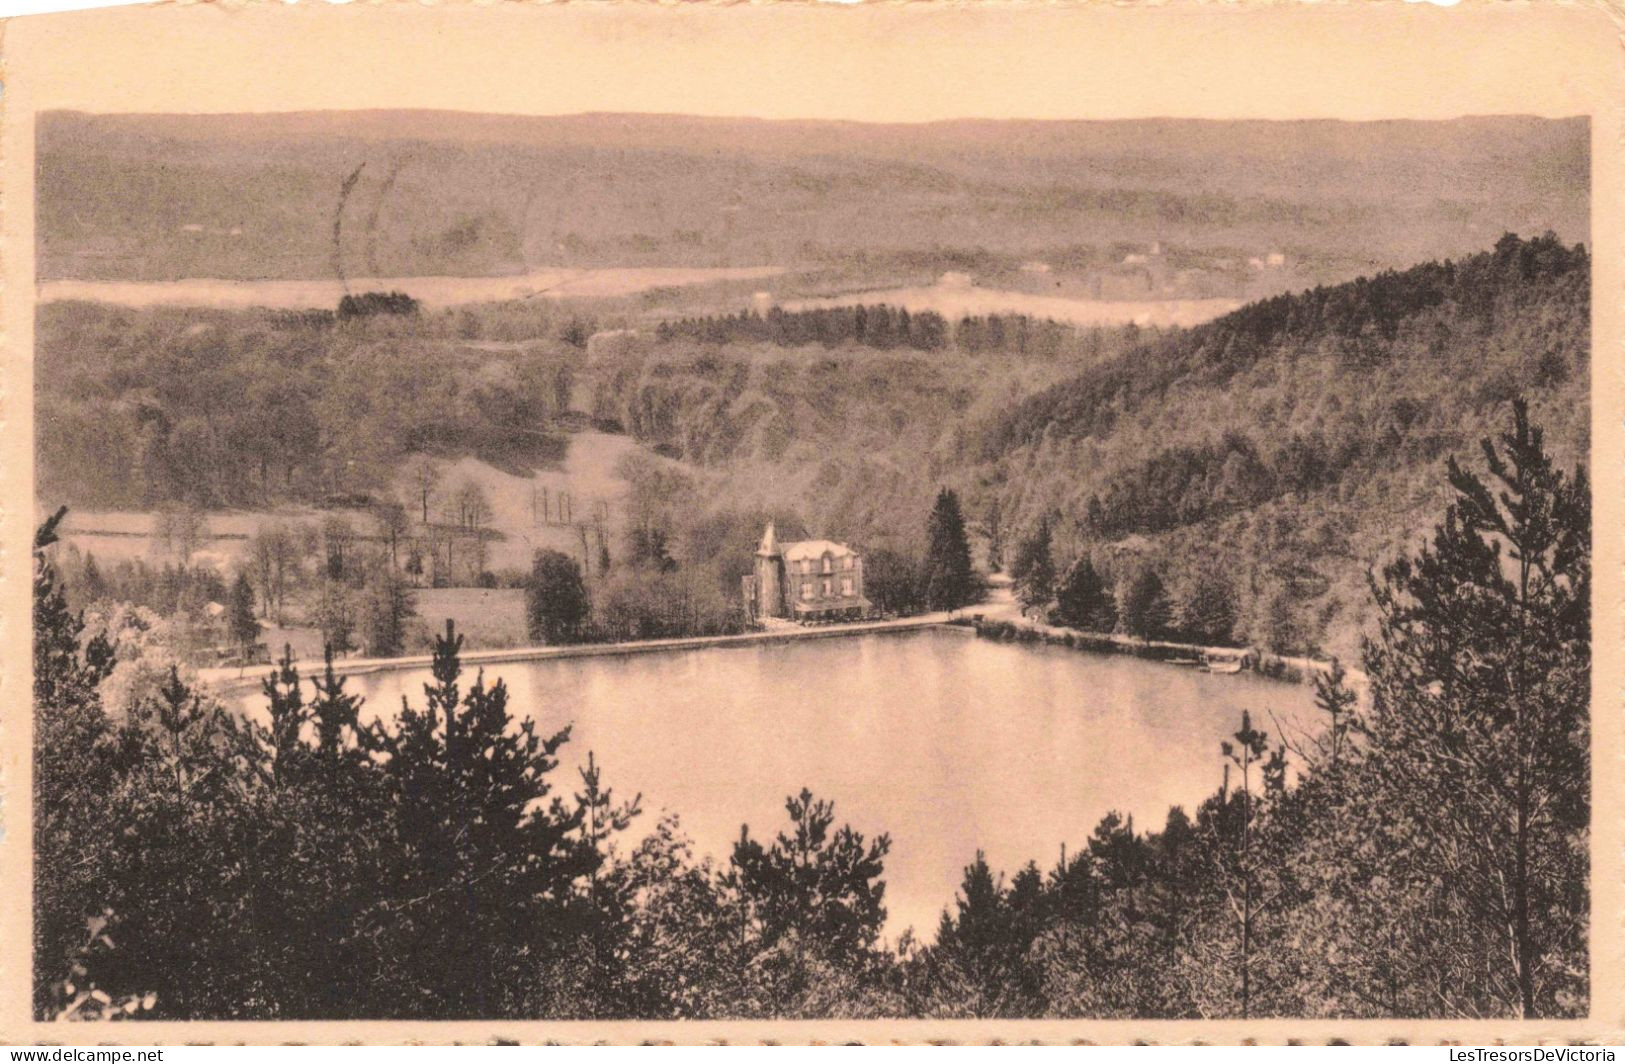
<point>949,742</point>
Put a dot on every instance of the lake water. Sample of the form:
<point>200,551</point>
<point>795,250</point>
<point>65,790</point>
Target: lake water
<point>954,301</point>
<point>431,291</point>
<point>949,742</point>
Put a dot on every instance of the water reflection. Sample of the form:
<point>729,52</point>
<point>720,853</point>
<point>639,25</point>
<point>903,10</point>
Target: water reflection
<point>950,743</point>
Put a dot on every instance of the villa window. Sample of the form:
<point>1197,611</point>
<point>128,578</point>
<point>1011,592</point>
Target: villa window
<point>826,589</point>
<point>826,563</point>
<point>846,586</point>
<point>846,562</point>
<point>806,589</point>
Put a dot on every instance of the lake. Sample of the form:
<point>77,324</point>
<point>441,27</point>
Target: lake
<point>955,301</point>
<point>431,291</point>
<point>949,742</point>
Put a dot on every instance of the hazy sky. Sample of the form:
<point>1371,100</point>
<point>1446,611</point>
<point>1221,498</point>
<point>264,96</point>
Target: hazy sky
<point>872,62</point>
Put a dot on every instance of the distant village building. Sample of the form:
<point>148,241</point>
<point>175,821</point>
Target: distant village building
<point>811,580</point>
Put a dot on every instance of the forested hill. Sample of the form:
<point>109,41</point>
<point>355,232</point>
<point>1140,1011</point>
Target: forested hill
<point>1293,441</point>
<point>1365,324</point>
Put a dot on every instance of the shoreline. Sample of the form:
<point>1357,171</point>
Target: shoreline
<point>231,680</point>
<point>1269,666</point>
<point>234,679</point>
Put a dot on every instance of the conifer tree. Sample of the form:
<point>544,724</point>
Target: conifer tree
<point>95,583</point>
<point>1479,729</point>
<point>949,581</point>
<point>556,602</point>
<point>386,606</point>
<point>244,626</point>
<point>1340,704</point>
<point>1144,607</point>
<point>1034,568</point>
<point>1083,600</point>
<point>608,912</point>
<point>286,702</point>
<point>814,884</point>
<point>74,772</point>
<point>1251,747</point>
<point>480,841</point>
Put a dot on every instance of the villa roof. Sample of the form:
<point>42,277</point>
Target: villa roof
<point>770,542</point>
<point>816,548</point>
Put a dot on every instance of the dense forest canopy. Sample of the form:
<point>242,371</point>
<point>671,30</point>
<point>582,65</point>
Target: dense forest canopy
<point>168,406</point>
<point>1294,441</point>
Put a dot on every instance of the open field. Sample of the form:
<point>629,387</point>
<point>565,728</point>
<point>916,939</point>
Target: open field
<point>530,511</point>
<point>488,618</point>
<point>221,542</point>
<point>527,511</point>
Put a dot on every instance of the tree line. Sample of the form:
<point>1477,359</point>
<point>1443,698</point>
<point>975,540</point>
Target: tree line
<point>649,594</point>
<point>1131,596</point>
<point>879,326</point>
<point>165,407</point>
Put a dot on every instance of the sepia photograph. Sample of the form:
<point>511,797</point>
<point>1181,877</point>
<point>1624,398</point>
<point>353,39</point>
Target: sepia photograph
<point>703,563</point>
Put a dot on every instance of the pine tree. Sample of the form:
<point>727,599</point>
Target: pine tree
<point>1083,600</point>
<point>95,584</point>
<point>949,581</point>
<point>1206,608</point>
<point>1338,701</point>
<point>244,626</point>
<point>609,913</point>
<point>1479,730</point>
<point>485,856</point>
<point>813,900</point>
<point>1144,607</point>
<point>386,606</point>
<point>980,957</point>
<point>1247,902</point>
<point>74,772</point>
<point>1034,568</point>
<point>556,602</point>
<point>324,855</point>
<point>288,713</point>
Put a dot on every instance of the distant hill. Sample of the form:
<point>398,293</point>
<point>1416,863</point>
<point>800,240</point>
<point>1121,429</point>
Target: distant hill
<point>161,197</point>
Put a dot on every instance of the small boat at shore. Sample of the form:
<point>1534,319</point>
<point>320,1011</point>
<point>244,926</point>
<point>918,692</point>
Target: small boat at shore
<point>1224,668</point>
